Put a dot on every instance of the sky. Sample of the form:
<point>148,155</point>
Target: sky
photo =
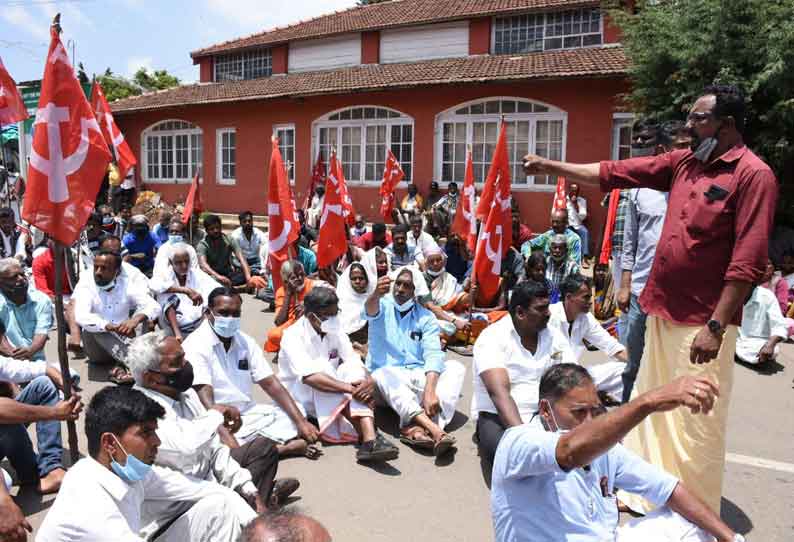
<point>124,35</point>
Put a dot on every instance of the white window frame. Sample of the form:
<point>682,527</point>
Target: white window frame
<point>619,121</point>
<point>283,127</point>
<point>545,24</point>
<point>219,178</point>
<point>402,120</point>
<point>245,58</point>
<point>150,131</point>
<point>449,115</point>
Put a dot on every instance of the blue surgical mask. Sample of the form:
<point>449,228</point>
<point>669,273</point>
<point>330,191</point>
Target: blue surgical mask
<point>134,470</point>
<point>174,239</point>
<point>405,306</point>
<point>226,326</point>
<point>107,287</point>
<point>557,425</point>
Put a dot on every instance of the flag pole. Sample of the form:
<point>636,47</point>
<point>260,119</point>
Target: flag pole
<point>5,166</point>
<point>63,359</point>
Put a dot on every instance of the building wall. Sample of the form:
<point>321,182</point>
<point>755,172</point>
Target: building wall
<point>589,132</point>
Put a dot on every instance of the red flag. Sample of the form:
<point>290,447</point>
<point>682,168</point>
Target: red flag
<point>283,227</point>
<point>12,108</point>
<point>318,176</point>
<point>609,227</point>
<point>113,136</point>
<point>193,201</point>
<point>465,224</point>
<point>332,242</point>
<point>68,158</point>
<point>347,204</point>
<point>392,175</point>
<point>500,169</point>
<point>496,236</point>
<point>560,196</point>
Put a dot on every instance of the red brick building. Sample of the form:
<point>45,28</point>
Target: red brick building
<point>425,78</point>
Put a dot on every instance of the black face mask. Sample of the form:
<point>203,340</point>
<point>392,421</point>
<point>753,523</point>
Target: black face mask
<point>18,288</point>
<point>181,380</point>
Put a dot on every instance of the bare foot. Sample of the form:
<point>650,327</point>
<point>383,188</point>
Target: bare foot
<point>51,483</point>
<point>299,448</point>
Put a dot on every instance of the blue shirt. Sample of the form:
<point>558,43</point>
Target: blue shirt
<point>533,499</point>
<point>410,341</point>
<point>22,322</point>
<point>161,232</point>
<point>642,230</point>
<point>148,245</point>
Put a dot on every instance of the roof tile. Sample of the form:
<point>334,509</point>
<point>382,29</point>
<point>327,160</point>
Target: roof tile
<point>590,62</point>
<point>387,15</point>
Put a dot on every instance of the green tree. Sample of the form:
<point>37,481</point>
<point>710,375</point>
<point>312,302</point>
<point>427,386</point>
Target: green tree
<point>676,48</point>
<point>82,76</point>
<point>157,80</point>
<point>117,87</point>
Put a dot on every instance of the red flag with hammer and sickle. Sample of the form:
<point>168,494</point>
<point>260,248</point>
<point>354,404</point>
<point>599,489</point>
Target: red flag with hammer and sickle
<point>68,158</point>
<point>12,108</point>
<point>332,242</point>
<point>283,228</point>
<point>113,136</point>
<point>392,175</point>
<point>465,224</point>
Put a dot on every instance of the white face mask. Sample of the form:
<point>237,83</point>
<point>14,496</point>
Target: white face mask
<point>405,306</point>
<point>330,325</point>
<point>556,424</point>
<point>434,273</point>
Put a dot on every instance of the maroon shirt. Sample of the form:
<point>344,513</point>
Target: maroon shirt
<point>367,242</point>
<point>717,227</point>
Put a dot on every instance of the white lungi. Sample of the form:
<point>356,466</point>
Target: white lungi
<point>402,390</point>
<point>661,525</point>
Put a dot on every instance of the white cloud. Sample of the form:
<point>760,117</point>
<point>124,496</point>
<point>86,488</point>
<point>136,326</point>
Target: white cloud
<point>252,16</point>
<point>134,63</point>
<point>19,17</point>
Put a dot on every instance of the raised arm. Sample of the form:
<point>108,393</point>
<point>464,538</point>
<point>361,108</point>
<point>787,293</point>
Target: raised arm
<point>372,305</point>
<point>584,173</point>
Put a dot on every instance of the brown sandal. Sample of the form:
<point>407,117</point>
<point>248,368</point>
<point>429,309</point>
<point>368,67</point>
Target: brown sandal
<point>409,436</point>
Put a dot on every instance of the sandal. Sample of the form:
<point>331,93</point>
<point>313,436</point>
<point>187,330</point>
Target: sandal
<point>409,436</point>
<point>121,376</point>
<point>443,445</point>
<point>282,489</point>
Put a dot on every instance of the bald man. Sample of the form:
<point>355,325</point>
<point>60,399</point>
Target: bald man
<point>559,226</point>
<point>285,526</point>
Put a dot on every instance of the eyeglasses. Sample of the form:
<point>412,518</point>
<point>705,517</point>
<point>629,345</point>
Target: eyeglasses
<point>699,116</point>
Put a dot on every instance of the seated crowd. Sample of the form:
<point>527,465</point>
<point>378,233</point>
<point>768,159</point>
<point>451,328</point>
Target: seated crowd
<point>182,449</point>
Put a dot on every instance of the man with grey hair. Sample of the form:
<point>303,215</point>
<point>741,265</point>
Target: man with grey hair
<point>182,290</point>
<point>25,314</point>
<point>104,302</point>
<point>289,301</point>
<point>285,526</point>
<point>559,263</point>
<point>198,441</point>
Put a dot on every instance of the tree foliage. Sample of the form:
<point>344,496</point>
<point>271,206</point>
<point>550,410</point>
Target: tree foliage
<point>678,47</point>
<point>117,87</point>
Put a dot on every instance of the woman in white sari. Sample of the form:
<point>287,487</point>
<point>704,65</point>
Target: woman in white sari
<point>357,282</point>
<point>446,299</point>
<point>182,289</point>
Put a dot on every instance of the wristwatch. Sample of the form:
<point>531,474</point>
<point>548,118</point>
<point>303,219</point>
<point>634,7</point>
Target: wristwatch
<point>716,328</point>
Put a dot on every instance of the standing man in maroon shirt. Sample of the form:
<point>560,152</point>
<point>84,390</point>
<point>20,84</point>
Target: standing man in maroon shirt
<point>713,248</point>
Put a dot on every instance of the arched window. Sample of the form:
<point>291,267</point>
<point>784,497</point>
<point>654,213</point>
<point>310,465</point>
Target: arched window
<point>171,151</point>
<point>361,136</point>
<point>531,127</point>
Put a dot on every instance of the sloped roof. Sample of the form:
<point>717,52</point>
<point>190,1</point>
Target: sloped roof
<point>589,62</point>
<point>388,15</point>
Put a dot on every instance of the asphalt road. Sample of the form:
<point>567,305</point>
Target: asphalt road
<point>416,499</point>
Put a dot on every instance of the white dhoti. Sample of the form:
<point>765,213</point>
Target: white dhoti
<point>267,421</point>
<point>215,518</point>
<point>608,377</point>
<point>661,525</point>
<point>328,407</point>
<point>402,390</point>
<point>689,446</point>
<point>747,349</point>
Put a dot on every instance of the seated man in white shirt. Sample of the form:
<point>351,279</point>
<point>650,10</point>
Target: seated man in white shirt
<point>319,367</point>
<point>510,356</point>
<point>574,319</point>
<point>197,441</point>
<point>182,290</point>
<point>176,235</point>
<point>113,244</point>
<point>763,326</point>
<point>104,302</point>
<point>117,494</point>
<point>419,239</point>
<point>250,240</point>
<point>554,479</point>
<point>227,363</point>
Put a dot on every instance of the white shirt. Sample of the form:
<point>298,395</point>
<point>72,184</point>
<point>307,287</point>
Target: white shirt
<point>575,219</point>
<point>425,241</point>
<point>162,260</point>
<point>533,499</point>
<point>499,347</point>
<point>761,320</point>
<point>95,308</point>
<point>186,311</point>
<point>231,373</point>
<point>303,353</point>
<point>95,505</point>
<point>189,442</point>
<point>250,249</point>
<point>585,326</point>
<point>20,370</point>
